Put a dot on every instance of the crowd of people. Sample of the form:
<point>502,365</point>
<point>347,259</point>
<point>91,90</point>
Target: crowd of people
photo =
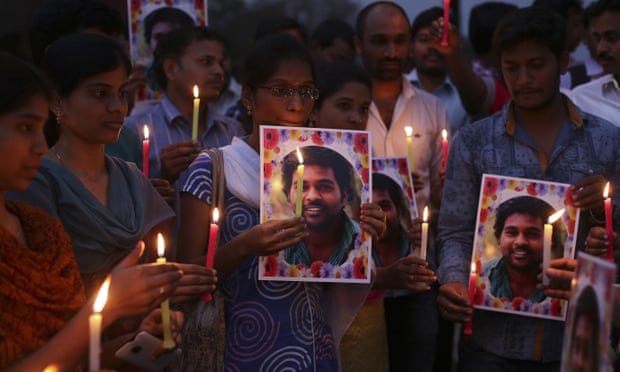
<point>76,207</point>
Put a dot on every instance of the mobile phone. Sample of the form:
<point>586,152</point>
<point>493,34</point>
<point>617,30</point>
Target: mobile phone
<point>140,350</point>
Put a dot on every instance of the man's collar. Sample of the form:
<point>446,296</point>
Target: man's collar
<point>170,110</point>
<point>574,116</point>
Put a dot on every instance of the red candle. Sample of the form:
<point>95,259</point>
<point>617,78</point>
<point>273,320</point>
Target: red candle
<point>444,145</point>
<point>213,233</point>
<point>446,22</point>
<point>609,224</point>
<point>472,294</point>
<point>146,143</point>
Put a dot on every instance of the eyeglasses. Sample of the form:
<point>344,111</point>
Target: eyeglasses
<point>286,92</point>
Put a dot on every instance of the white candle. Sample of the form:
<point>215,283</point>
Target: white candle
<point>547,243</point>
<point>300,184</point>
<point>409,134</point>
<point>196,112</point>
<point>424,233</point>
<point>165,305</point>
<point>94,323</point>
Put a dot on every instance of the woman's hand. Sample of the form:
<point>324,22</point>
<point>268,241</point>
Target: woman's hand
<point>560,273</point>
<point>597,243</point>
<point>409,272</point>
<point>272,236</point>
<point>135,289</point>
<point>152,324</point>
<point>372,220</point>
<point>196,281</point>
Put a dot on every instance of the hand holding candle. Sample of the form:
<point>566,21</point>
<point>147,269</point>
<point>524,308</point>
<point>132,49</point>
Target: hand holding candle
<point>300,184</point>
<point>212,246</point>
<point>472,295</point>
<point>165,305</point>
<point>548,243</point>
<point>409,134</point>
<point>146,143</point>
<point>446,22</point>
<point>609,225</point>
<point>195,116</point>
<point>444,146</point>
<point>424,243</point>
<point>94,322</point>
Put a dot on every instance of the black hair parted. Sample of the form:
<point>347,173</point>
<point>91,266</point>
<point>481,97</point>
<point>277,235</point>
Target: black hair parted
<point>19,83</point>
<point>333,76</point>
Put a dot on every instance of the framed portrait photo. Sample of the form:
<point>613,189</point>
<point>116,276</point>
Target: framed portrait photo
<point>521,225</point>
<point>334,169</point>
<point>138,10</point>
<point>588,323</point>
<point>399,171</point>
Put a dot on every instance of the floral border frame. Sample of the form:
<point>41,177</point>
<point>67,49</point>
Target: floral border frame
<point>495,190</point>
<point>275,143</point>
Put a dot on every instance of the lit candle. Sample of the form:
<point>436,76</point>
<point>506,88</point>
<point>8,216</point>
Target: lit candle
<point>424,233</point>
<point>146,143</point>
<point>446,22</point>
<point>609,224</point>
<point>548,242</point>
<point>94,323</point>
<point>444,145</point>
<point>300,184</point>
<point>195,116</point>
<point>472,295</point>
<point>409,133</point>
<point>213,232</point>
<point>165,305</point>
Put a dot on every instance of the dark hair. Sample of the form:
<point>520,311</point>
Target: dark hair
<point>531,24</point>
<point>426,18</point>
<point>62,17</point>
<point>561,7</point>
<point>587,307</point>
<point>268,54</point>
<point>483,20</point>
<point>279,24</point>
<point>527,205</point>
<point>166,14</point>
<point>330,30</point>
<point>19,82</point>
<point>360,22</point>
<point>333,76</point>
<point>381,182</point>
<point>174,43</point>
<point>73,58</point>
<point>322,157</point>
<point>597,8</point>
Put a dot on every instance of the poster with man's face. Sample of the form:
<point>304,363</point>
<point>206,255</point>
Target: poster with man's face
<point>586,336</point>
<point>514,233</point>
<point>322,175</point>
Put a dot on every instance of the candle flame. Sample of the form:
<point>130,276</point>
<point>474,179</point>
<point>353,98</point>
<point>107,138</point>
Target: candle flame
<point>161,245</point>
<point>554,217</point>
<point>195,91</point>
<point>444,134</point>
<point>51,368</point>
<point>425,214</point>
<point>473,267</point>
<point>146,132</point>
<point>408,131</point>
<point>102,297</point>
<point>299,157</point>
<point>606,191</point>
<point>216,215</point>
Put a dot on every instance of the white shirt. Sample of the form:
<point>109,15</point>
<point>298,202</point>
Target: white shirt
<point>427,116</point>
<point>600,97</point>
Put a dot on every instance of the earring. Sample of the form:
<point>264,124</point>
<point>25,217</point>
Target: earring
<point>58,116</point>
<point>249,110</point>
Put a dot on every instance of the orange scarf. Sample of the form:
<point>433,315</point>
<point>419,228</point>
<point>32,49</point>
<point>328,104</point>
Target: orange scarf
<point>40,284</point>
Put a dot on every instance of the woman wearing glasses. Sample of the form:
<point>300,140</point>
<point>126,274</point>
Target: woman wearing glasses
<point>269,325</point>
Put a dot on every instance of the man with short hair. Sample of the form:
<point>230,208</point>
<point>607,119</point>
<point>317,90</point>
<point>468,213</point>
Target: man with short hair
<point>540,134</point>
<point>327,189</point>
<point>601,96</point>
<point>382,41</point>
<point>518,228</point>
<point>185,57</point>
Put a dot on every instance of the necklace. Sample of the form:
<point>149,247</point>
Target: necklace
<point>83,177</point>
